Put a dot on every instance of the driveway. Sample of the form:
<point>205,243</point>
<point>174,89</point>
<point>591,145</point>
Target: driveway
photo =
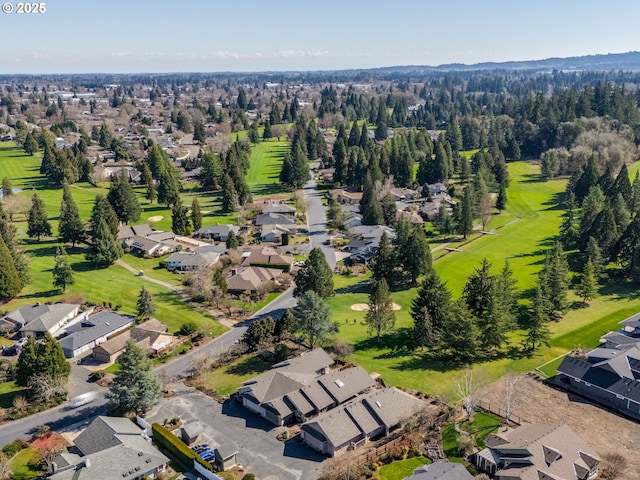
<point>259,451</point>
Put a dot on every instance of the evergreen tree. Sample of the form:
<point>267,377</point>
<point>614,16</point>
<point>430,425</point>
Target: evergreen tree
<point>285,325</point>
<point>259,332</point>
<point>588,286</point>
<point>45,357</point>
<point>461,335</point>
<point>38,224</point>
<point>199,133</point>
<point>10,284</point>
<point>196,214</point>
<point>354,135</point>
<point>16,250</point>
<point>538,332</point>
<point>389,210</point>
<point>413,252</point>
<point>229,195</point>
<point>136,386</point>
<point>554,278</point>
<point>105,248</point>
<point>622,185</point>
<point>634,202</point>
<point>28,362</point>
<point>179,219</point>
<point>266,134</point>
<point>168,185</point>
<point>70,227</point>
<point>370,206</point>
<point>211,174</point>
<point>147,180</point>
<point>593,254</point>
<point>628,243</point>
<point>429,310</point>
<point>380,317</point>
<point>30,144</point>
<point>315,275</point>
<point>592,205</point>
<point>313,318</point>
<point>232,241</point>
<point>465,221</point>
<point>103,211</point>
<point>383,263</point>
<point>7,189</point>
<point>123,200</point>
<point>588,179</point>
<point>479,288</point>
<point>62,272</point>
<point>501,201</point>
<point>144,306</point>
<point>568,229</point>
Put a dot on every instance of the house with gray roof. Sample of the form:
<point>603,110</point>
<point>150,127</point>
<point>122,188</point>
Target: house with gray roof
<point>129,231</point>
<point>367,416</point>
<point>219,233</point>
<point>281,208</point>
<point>441,471</point>
<point>36,320</point>
<point>251,279</point>
<point>110,448</point>
<point>94,330</point>
<point>273,219</point>
<point>610,373</point>
<point>537,452</point>
<point>191,261</point>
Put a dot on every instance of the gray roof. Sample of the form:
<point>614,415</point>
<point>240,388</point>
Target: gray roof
<point>215,230</point>
<point>279,208</point>
<point>221,249</point>
<point>441,471</point>
<point>632,321</point>
<point>273,218</point>
<point>193,260</point>
<point>127,231</point>
<point>226,451</point>
<point>345,384</point>
<point>96,326</point>
<point>106,432</point>
<point>45,315</point>
<point>143,243</point>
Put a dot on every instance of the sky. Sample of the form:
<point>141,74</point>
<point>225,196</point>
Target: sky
<point>139,36</point>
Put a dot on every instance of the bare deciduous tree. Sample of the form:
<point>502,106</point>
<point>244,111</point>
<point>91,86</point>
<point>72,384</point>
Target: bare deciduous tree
<point>16,204</point>
<point>45,386</point>
<point>511,394</point>
<point>467,388</point>
<point>614,464</point>
<point>20,403</point>
<point>484,210</point>
<point>4,467</point>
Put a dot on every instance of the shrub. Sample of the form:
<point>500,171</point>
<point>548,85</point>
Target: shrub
<point>281,351</point>
<point>187,328</point>
<point>249,476</point>
<point>98,375</point>
<point>177,447</point>
<point>14,447</point>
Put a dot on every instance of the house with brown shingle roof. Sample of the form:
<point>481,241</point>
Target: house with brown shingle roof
<point>537,452</point>
<point>151,335</point>
<point>268,257</point>
<point>250,279</point>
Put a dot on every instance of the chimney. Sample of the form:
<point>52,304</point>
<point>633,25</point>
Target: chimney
<point>87,463</point>
<point>234,272</point>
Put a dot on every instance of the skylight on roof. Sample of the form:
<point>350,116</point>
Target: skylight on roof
<point>378,404</point>
<point>339,383</point>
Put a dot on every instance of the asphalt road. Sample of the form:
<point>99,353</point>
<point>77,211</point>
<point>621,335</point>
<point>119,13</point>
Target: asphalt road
<point>59,418</point>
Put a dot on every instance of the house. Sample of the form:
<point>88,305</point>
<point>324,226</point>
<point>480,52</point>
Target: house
<point>537,452</point>
<point>441,471</point>
<point>273,233</point>
<point>110,448</point>
<point>126,232</point>
<point>610,374</point>
<point>144,246</point>
<point>273,219</point>
<point>346,197</point>
<point>367,416</point>
<point>36,320</point>
<point>402,194</point>
<point>132,174</point>
<point>94,330</point>
<point>268,257</point>
<point>250,279</point>
<point>302,387</point>
<point>280,208</point>
<point>219,233</point>
<point>226,457</point>
<point>192,261</point>
<point>151,335</point>
<point>365,239</point>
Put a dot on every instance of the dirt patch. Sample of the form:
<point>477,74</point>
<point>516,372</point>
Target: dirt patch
<point>604,431</point>
<point>157,218</point>
<point>363,307</point>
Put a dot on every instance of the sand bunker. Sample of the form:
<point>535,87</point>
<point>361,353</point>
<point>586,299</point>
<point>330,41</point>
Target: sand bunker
<point>363,307</point>
<point>157,218</point>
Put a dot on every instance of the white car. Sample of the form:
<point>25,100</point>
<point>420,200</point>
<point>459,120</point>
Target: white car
<point>81,400</point>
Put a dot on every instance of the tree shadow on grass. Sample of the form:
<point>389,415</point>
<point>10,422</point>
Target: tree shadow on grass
<point>250,365</point>
<point>392,345</point>
<point>555,202</point>
<point>533,178</point>
<point>47,294</point>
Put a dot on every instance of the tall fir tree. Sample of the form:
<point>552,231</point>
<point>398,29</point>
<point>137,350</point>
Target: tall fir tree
<point>569,232</point>
<point>465,220</point>
<point>38,223</point>
<point>384,260</point>
<point>123,199</point>
<point>315,275</point>
<point>21,262</point>
<point>431,307</point>
<point>370,206</point>
<point>380,317</point>
<point>145,308</point>
<point>588,286</point>
<point>196,214</point>
<point>229,195</point>
<point>461,337</point>
<point>62,272</point>
<point>150,192</point>
<point>179,219</point>
<point>10,284</point>
<point>136,386</point>
<point>313,318</point>
<point>554,278</point>
<point>103,211</point>
<point>70,227</point>
<point>105,248</point>
<point>537,321</point>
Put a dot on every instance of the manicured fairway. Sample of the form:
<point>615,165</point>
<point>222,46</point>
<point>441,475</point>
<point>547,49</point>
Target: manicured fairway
<point>266,162</point>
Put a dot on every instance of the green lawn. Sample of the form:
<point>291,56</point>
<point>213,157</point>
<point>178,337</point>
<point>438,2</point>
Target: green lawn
<point>8,390</point>
<point>20,465</point>
<point>483,424</point>
<point>523,242</point>
<point>151,268</point>
<point>226,380</point>
<point>402,468</point>
<point>266,162</point>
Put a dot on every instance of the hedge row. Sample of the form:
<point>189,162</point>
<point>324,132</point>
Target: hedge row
<point>281,266</point>
<point>177,447</point>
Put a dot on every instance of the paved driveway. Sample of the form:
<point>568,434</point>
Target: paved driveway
<point>258,449</point>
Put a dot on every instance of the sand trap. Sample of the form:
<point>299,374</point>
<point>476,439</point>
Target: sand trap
<point>363,307</point>
<point>157,218</point>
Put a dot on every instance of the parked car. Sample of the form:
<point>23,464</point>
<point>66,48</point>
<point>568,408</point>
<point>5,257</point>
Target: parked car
<point>12,350</point>
<point>203,447</point>
<point>81,400</point>
<point>208,456</point>
<point>22,341</point>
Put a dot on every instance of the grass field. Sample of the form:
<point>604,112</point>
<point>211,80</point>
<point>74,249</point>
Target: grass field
<point>483,424</point>
<point>8,391</point>
<point>401,469</point>
<point>523,242</point>
<point>266,162</point>
<point>21,465</point>
<point>227,379</point>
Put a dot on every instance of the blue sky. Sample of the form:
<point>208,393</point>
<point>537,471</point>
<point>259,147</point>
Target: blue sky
<point>220,35</point>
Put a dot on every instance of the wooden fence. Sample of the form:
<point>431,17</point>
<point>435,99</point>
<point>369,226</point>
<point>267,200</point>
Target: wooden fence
<point>499,411</point>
